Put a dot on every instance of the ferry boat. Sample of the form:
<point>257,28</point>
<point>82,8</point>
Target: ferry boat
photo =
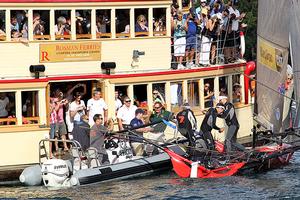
<point>111,56</point>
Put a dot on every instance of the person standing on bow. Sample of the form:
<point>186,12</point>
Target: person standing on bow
<point>125,114</point>
<point>209,123</point>
<point>232,122</point>
<point>96,105</point>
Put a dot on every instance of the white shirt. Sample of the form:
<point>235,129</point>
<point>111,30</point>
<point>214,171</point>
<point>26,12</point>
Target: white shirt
<point>118,104</point>
<point>74,106</point>
<point>95,107</point>
<point>3,104</point>
<point>235,23</point>
<point>126,114</point>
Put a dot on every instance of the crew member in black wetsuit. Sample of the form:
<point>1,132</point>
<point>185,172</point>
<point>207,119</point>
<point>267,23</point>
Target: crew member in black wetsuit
<point>233,125</point>
<point>187,123</point>
<point>209,123</point>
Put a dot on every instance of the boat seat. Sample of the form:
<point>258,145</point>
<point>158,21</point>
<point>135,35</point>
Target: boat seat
<point>76,154</point>
<point>93,157</point>
<point>178,150</point>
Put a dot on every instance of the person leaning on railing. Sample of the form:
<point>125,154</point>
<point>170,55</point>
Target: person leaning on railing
<point>179,28</point>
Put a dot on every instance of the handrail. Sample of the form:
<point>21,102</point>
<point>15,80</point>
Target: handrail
<point>107,35</point>
<point>58,37</point>
<point>83,36</point>
<point>122,35</point>
<point>74,143</point>
<point>141,34</point>
<point>2,37</point>
<point>43,37</point>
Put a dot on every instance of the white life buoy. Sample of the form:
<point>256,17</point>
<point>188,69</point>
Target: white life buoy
<point>242,47</point>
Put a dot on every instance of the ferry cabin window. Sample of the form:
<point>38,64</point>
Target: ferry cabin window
<point>223,83</point>
<point>159,21</point>
<point>7,108</point>
<point>30,107</point>
<point>208,93</point>
<point>122,23</point>
<point>236,89</point>
<point>140,96</point>
<point>2,26</point>
<point>176,95</point>
<point>158,93</point>
<point>122,91</point>
<point>193,93</point>
<point>142,22</point>
<point>41,24</point>
<point>83,24</point>
<point>103,23</point>
<point>19,24</point>
<point>62,28</point>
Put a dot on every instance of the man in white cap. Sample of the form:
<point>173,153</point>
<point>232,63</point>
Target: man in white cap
<point>209,123</point>
<point>233,125</point>
<point>187,123</point>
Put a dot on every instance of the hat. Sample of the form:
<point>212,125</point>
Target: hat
<point>219,105</point>
<point>186,105</point>
<point>139,111</point>
<point>236,84</point>
<point>204,11</point>
<point>203,1</point>
<point>222,97</point>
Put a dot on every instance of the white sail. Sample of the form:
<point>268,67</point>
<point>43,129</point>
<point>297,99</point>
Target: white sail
<point>272,58</point>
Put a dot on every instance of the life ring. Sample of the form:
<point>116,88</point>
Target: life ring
<point>242,47</point>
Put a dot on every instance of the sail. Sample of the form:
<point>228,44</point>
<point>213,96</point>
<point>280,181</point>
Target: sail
<point>295,58</point>
<point>272,59</point>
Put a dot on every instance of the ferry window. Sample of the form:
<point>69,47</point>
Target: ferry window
<point>193,93</point>
<point>19,24</point>
<point>142,22</point>
<point>223,83</point>
<point>62,28</point>
<point>159,21</point>
<point>2,26</point>
<point>103,19</point>
<point>41,24</point>
<point>236,89</point>
<point>122,91</point>
<point>208,93</point>
<point>176,94</point>
<point>83,24</point>
<point>140,95</point>
<point>7,108</point>
<point>122,23</point>
<point>158,93</point>
<point>30,107</point>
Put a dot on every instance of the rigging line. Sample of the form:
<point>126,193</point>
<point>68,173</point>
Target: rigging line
<point>262,84</point>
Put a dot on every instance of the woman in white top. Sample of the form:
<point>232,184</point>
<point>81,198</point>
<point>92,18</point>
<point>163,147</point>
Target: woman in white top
<point>77,109</point>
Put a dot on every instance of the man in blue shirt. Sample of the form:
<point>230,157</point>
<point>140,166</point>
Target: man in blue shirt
<point>135,141</point>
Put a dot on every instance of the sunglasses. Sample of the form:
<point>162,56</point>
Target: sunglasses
<point>155,93</point>
<point>206,86</point>
<point>127,101</point>
<point>157,107</point>
<point>142,20</point>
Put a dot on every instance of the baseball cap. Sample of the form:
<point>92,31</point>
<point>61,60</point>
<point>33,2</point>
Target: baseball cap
<point>219,105</point>
<point>222,97</point>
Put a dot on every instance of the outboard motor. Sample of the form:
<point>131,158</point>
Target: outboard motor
<point>55,173</point>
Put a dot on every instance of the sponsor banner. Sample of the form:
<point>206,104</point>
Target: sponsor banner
<point>269,55</point>
<point>70,52</point>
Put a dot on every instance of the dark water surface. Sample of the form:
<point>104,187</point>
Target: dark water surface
<point>281,183</point>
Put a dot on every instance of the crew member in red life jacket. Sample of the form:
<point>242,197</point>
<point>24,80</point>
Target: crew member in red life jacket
<point>209,123</point>
<point>187,123</point>
<point>233,125</point>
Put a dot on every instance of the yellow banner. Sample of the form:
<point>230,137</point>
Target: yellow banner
<point>270,56</point>
<point>70,52</point>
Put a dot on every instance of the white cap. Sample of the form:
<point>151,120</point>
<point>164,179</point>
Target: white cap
<point>203,1</point>
<point>222,97</point>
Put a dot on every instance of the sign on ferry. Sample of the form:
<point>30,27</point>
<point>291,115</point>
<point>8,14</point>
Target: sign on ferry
<point>270,56</point>
<point>70,52</point>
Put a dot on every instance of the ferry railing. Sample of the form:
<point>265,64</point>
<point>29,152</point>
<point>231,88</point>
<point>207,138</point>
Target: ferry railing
<point>220,49</point>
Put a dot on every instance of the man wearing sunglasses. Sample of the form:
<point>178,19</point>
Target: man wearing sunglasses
<point>125,114</point>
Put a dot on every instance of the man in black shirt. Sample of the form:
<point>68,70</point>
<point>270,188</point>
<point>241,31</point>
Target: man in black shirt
<point>187,123</point>
<point>233,125</point>
<point>209,123</point>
